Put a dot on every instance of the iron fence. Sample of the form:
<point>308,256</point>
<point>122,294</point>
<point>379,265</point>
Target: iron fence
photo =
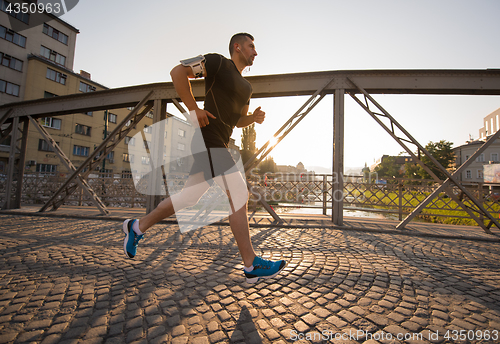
<point>312,191</point>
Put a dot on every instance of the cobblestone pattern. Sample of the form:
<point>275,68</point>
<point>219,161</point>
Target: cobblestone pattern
<point>67,281</point>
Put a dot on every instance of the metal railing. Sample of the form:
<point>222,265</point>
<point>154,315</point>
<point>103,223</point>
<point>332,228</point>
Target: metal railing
<point>282,190</point>
<point>396,196</point>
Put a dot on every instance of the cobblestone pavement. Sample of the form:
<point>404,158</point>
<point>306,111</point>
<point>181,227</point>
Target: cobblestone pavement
<point>67,281</point>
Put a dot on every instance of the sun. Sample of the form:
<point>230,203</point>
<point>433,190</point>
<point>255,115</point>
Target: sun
<point>273,141</point>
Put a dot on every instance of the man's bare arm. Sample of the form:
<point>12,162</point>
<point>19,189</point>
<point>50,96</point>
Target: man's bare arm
<point>180,77</point>
<point>245,120</point>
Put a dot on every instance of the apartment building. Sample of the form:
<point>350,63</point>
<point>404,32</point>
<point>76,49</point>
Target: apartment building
<point>37,62</point>
<point>53,40</point>
<point>475,170</point>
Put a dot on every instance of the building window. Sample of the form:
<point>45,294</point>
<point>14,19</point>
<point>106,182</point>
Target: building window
<point>86,87</point>
<point>126,174</point>
<point>12,36</point>
<point>46,168</point>
<point>107,173</point>
<point>50,31</point>
<point>89,113</point>
<point>44,146</point>
<point>56,76</point>
<point>145,160</point>
<point>148,129</point>
<point>112,118</point>
<point>181,133</point>
<point>494,157</point>
<point>16,11</point>
<point>480,174</point>
<point>180,146</point>
<point>49,95</point>
<point>9,88</point>
<point>83,129</point>
<point>11,62</point>
<point>128,157</point>
<point>146,144</point>
<point>111,157</point>
<point>149,114</point>
<point>53,56</point>
<point>80,150</point>
<point>480,158</point>
<point>130,140</point>
<point>50,122</point>
<point>468,174</point>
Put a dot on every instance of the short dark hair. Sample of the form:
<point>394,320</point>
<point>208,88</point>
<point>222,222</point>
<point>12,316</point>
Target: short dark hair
<point>238,38</point>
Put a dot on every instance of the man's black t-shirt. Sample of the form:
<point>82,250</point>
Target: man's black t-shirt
<point>226,93</point>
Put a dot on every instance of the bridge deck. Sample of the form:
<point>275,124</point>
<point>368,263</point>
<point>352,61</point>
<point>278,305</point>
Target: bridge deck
<point>68,281</point>
<point>263,219</point>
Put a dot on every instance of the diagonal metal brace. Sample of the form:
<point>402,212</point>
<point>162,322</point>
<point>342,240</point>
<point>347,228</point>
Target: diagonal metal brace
<point>423,150</point>
<point>418,160</point>
<point>446,183</point>
<point>287,127</point>
<point>6,116</point>
<point>69,165</point>
<point>280,135</point>
<point>277,137</point>
<point>116,136</point>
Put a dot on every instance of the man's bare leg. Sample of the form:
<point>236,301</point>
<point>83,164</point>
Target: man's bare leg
<point>241,231</point>
<point>134,230</point>
<point>195,187</point>
<point>256,268</point>
<point>237,193</point>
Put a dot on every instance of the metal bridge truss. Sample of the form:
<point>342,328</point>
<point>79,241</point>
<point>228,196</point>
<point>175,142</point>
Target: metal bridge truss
<point>16,117</point>
<point>405,138</point>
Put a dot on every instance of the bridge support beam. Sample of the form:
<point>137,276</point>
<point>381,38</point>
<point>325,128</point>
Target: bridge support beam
<point>17,155</point>
<point>159,115</point>
<point>338,158</point>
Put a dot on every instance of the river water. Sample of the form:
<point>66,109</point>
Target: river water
<point>347,212</point>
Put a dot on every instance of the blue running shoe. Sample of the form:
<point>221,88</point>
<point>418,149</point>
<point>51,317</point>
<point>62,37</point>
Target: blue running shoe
<point>131,239</point>
<point>263,269</point>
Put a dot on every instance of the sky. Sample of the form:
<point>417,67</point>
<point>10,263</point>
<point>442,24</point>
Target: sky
<point>123,43</point>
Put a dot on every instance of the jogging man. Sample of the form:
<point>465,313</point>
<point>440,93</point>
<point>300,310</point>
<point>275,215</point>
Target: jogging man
<point>227,97</point>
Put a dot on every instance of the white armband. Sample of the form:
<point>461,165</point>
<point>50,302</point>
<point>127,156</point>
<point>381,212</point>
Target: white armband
<point>196,64</point>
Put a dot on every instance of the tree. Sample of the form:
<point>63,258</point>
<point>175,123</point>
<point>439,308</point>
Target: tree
<point>267,165</point>
<point>442,152</point>
<point>412,171</point>
<point>388,168</point>
<point>248,148</point>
